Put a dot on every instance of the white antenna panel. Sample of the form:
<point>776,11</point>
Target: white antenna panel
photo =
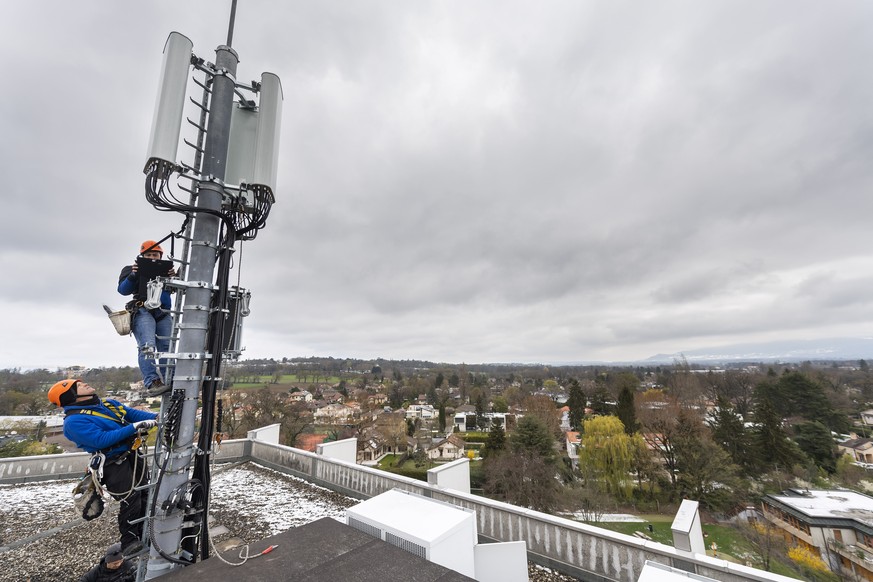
<point>167,121</point>
<point>241,148</point>
<point>269,128</point>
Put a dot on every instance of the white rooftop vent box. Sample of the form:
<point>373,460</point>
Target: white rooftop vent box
<point>687,530</point>
<point>439,532</point>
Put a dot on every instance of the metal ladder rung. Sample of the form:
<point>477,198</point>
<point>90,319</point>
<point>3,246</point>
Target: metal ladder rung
<point>195,148</point>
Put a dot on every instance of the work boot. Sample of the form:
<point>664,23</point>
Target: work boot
<point>157,388</point>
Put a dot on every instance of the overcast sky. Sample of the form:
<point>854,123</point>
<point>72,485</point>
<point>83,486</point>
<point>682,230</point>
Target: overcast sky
<point>486,181</point>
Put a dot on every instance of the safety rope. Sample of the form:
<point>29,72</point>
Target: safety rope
<point>244,551</point>
<point>138,443</point>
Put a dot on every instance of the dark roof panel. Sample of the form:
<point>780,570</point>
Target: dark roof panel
<point>322,551</point>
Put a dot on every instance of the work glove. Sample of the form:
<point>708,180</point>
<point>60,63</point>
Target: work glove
<point>143,426</point>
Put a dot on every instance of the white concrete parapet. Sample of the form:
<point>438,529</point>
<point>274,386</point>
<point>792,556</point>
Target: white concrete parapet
<point>454,475</point>
<point>344,450</point>
<point>43,467</point>
<point>267,434</point>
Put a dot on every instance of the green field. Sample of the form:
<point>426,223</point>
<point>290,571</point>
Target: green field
<point>730,544</point>
<point>287,381</point>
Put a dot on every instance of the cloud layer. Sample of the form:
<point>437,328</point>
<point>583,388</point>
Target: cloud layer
<point>494,181</point>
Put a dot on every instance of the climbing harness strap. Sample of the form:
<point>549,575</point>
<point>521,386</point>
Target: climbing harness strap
<point>98,459</point>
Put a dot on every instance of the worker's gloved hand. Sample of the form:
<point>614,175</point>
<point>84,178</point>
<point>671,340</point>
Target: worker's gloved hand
<point>144,425</point>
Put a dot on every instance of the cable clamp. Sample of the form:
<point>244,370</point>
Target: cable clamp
<point>186,356</point>
<point>180,284</point>
<point>192,326</point>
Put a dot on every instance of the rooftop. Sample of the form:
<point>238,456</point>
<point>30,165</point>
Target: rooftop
<point>818,503</point>
<point>322,551</point>
<point>574,548</point>
<point>43,540</point>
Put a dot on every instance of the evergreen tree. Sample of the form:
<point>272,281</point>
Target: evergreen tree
<point>526,475</point>
<point>496,441</point>
<point>600,399</point>
<point>532,435</point>
<point>706,473</point>
<point>576,403</point>
<point>771,446</point>
<point>816,441</point>
<point>795,394</point>
<point>728,431</point>
<point>626,410</point>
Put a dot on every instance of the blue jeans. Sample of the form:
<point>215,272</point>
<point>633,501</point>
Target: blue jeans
<point>152,331</point>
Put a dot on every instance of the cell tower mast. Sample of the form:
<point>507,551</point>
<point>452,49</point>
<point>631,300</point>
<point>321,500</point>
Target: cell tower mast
<point>225,209</point>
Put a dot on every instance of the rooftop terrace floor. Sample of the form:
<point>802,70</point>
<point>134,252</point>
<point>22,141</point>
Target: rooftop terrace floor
<point>43,540</point>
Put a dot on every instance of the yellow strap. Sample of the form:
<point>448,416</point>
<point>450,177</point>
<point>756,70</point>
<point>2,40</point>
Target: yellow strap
<point>118,411</point>
<point>100,414</point>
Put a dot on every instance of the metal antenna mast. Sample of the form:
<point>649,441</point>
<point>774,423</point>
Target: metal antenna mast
<point>223,213</point>
<point>166,531</point>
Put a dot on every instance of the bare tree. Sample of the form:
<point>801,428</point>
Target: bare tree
<point>544,409</point>
<point>264,407</point>
<point>765,538</point>
<point>662,420</point>
<point>231,413</point>
<point>392,428</point>
<point>522,478</point>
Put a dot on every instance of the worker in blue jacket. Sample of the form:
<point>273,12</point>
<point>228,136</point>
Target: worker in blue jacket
<point>109,428</point>
<point>151,327</point>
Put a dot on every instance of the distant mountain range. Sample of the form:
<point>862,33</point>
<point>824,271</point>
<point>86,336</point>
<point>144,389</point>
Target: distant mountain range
<point>782,351</point>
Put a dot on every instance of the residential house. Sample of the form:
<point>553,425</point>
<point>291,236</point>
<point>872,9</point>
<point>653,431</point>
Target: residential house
<point>573,440</point>
<point>331,396</point>
<point>377,399</point>
<point>373,445</point>
<point>465,418</point>
<point>565,418</point>
<point>834,524</point>
<point>301,396</point>
<point>860,449</point>
<point>334,414</point>
<point>423,411</point>
<point>447,449</point>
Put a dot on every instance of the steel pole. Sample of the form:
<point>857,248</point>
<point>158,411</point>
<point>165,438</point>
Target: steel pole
<point>167,525</point>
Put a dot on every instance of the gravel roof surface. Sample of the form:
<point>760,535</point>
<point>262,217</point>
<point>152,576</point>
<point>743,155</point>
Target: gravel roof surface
<point>43,540</point>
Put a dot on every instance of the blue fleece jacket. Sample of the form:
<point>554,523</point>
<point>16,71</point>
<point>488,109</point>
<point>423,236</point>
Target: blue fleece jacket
<point>93,433</point>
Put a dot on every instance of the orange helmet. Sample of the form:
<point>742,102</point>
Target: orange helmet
<point>57,393</point>
<point>150,245</point>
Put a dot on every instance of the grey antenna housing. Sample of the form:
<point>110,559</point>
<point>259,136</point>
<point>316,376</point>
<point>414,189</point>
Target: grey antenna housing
<point>269,124</point>
<point>167,120</point>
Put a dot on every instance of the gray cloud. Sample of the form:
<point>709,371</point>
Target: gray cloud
<point>498,182</point>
